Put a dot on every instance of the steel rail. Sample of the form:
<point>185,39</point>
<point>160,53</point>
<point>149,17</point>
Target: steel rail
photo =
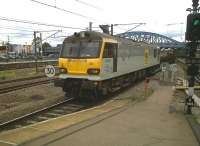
<point>2,125</point>
<point>22,79</point>
<point>24,85</point>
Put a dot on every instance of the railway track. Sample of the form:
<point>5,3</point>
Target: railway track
<point>17,84</point>
<point>65,107</point>
<point>25,64</point>
<point>68,106</point>
<point>22,79</point>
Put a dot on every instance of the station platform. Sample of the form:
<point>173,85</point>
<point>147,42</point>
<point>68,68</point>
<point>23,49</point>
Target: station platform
<point>145,123</point>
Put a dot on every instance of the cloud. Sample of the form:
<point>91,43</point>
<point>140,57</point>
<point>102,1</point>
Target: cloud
<point>156,13</point>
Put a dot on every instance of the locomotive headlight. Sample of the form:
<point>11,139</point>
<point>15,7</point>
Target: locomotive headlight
<point>93,71</point>
<point>63,70</point>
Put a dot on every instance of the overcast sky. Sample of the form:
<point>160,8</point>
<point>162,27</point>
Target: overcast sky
<point>155,13</point>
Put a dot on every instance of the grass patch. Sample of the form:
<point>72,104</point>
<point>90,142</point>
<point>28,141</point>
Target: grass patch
<point>7,74</point>
<point>20,73</point>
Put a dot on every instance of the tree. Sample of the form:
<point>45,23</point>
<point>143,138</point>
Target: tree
<point>45,45</point>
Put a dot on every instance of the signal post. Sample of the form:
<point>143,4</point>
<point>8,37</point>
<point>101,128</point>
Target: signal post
<point>193,38</point>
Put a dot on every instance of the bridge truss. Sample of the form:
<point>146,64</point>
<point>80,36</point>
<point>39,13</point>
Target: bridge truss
<point>153,38</point>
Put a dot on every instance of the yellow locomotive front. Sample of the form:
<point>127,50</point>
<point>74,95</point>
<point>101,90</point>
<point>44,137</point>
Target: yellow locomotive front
<point>80,62</point>
<point>80,55</point>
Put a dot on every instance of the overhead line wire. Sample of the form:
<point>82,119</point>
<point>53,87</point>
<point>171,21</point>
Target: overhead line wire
<point>15,33</point>
<point>15,29</point>
<point>37,23</point>
<point>52,6</point>
<point>128,24</point>
<point>82,2</point>
<point>25,29</point>
<point>61,9</point>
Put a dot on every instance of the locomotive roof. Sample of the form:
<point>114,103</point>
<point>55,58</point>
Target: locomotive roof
<point>98,35</point>
<point>91,34</point>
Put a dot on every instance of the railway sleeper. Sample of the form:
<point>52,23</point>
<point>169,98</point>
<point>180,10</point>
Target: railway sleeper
<point>43,117</point>
<point>54,114</point>
<point>31,122</point>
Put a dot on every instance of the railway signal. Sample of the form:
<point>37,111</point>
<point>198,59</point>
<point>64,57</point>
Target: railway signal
<point>195,3</point>
<point>193,38</point>
<point>193,27</point>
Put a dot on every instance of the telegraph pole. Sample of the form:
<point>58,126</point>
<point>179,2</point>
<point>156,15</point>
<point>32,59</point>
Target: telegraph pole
<point>41,50</point>
<point>90,26</point>
<point>36,57</point>
<point>8,48</point>
<point>111,31</point>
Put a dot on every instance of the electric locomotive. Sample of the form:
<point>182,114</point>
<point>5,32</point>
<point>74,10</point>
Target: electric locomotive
<point>103,63</point>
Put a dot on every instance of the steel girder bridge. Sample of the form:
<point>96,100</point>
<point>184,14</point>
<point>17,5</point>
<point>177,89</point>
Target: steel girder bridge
<point>153,38</point>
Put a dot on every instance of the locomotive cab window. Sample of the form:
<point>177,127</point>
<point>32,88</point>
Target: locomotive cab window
<point>110,50</point>
<point>81,49</point>
<point>155,53</point>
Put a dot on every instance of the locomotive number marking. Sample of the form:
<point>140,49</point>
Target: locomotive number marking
<point>146,56</point>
